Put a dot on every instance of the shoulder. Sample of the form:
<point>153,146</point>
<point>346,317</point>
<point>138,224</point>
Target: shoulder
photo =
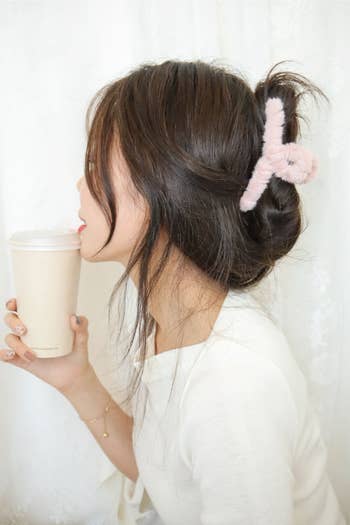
<point>252,347</point>
<point>236,392</point>
<point>227,368</point>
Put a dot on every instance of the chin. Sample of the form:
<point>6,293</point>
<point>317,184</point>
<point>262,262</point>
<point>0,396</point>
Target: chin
<point>88,255</point>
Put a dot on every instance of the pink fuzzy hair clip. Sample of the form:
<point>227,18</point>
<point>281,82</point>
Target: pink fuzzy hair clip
<point>290,161</point>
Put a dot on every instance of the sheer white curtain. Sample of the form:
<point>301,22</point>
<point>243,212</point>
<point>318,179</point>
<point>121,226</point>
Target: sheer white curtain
<point>54,56</point>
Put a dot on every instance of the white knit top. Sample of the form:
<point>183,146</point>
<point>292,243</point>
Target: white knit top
<point>238,443</point>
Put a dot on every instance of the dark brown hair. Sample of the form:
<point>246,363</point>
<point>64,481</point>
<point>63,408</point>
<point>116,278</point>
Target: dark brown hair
<point>191,134</point>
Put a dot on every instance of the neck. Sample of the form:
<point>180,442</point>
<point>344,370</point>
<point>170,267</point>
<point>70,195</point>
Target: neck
<point>186,311</point>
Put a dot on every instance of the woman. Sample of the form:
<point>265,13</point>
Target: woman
<point>178,188</point>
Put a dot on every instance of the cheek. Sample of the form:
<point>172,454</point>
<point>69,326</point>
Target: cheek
<point>130,221</point>
<point>97,225</point>
<point>101,223</point>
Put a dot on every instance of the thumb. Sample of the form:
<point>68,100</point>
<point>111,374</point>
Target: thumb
<point>81,333</point>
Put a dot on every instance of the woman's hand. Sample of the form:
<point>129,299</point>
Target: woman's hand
<point>59,372</point>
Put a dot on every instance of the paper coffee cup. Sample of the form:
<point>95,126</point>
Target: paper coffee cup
<point>46,271</point>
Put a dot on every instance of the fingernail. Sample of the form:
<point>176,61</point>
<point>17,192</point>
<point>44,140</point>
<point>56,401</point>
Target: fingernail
<point>20,329</point>
<point>29,355</point>
<point>8,304</point>
<point>77,319</point>
<point>10,353</point>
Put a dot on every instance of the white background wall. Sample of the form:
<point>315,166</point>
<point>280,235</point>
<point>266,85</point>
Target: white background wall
<point>54,55</point>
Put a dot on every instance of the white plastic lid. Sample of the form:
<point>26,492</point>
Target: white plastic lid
<point>48,240</point>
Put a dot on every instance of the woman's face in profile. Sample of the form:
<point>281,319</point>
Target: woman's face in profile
<point>131,213</point>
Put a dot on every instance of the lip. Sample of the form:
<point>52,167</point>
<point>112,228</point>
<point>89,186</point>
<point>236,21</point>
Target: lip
<point>81,228</point>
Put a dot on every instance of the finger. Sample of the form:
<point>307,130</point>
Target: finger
<point>11,304</point>
<point>7,354</point>
<point>15,343</point>
<point>13,321</point>
<point>81,333</point>
<point>10,356</point>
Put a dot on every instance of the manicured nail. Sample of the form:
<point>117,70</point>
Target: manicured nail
<point>20,329</point>
<point>10,353</point>
<point>29,355</point>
